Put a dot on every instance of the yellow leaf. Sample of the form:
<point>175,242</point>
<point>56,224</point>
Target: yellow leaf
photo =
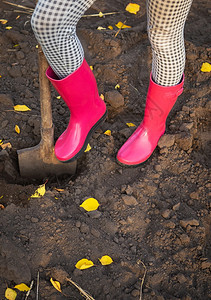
<point>0,76</point>
<point>110,27</point>
<point>206,67</point>
<point>36,46</point>
<point>91,67</point>
<point>106,260</point>
<point>59,190</point>
<point>22,287</point>
<point>102,97</point>
<point>84,264</point>
<point>3,21</point>
<point>1,143</point>
<point>88,148</point>
<point>16,45</point>
<point>56,284</point>
<point>101,28</point>
<point>39,192</point>
<point>21,108</point>
<point>107,132</point>
<point>130,124</point>
<point>6,145</point>
<point>100,14</point>
<point>132,8</point>
<point>117,86</point>
<point>17,17</point>
<point>120,25</point>
<point>90,204</point>
<point>8,27</point>
<point>58,97</point>
<point>17,129</point>
<point>10,294</point>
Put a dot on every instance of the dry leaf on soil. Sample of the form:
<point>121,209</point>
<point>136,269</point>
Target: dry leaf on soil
<point>84,264</point>
<point>10,294</point>
<point>106,260</point>
<point>206,67</point>
<point>22,287</point>
<point>132,8</point>
<point>39,192</point>
<point>130,124</point>
<point>56,285</point>
<point>107,132</point>
<point>88,148</point>
<point>21,108</point>
<point>121,25</point>
<point>17,129</point>
<point>90,204</point>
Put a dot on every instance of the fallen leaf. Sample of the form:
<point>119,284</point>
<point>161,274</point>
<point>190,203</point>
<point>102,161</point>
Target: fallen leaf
<point>206,67</point>
<point>16,45</point>
<point>21,108</point>
<point>107,132</point>
<point>88,148</point>
<point>130,124</point>
<point>59,190</point>
<point>3,21</point>
<point>17,129</point>
<point>22,287</point>
<point>117,86</point>
<point>91,67</point>
<point>17,17</point>
<point>36,46</point>
<point>58,97</point>
<point>56,284</point>
<point>132,8</point>
<point>8,27</point>
<point>90,204</point>
<point>106,260</point>
<point>84,264</point>
<point>0,76</point>
<point>2,206</point>
<point>39,192</point>
<point>121,25</point>
<point>102,97</point>
<point>101,28</point>
<point>100,14</point>
<point>110,27</point>
<point>6,145</point>
<point>10,294</point>
<point>1,142</point>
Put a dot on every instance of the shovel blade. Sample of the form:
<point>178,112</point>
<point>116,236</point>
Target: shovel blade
<point>33,164</point>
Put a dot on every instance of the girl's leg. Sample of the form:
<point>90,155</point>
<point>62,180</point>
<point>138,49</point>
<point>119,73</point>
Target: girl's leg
<point>166,20</point>
<point>54,25</point>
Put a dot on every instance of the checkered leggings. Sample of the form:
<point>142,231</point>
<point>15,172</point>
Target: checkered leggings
<point>54,25</point>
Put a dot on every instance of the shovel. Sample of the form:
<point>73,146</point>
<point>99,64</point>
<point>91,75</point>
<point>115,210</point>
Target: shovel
<point>40,161</point>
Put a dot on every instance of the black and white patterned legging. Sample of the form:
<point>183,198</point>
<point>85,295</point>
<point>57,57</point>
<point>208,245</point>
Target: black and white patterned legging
<point>54,24</point>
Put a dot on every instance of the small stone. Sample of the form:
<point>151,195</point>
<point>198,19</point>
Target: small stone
<point>186,126</point>
<point>206,265</point>
<point>15,71</point>
<point>4,123</point>
<point>77,272</point>
<point>34,220</point>
<point>170,224</point>
<point>84,228</point>
<point>135,293</point>
<point>167,140</point>
<point>176,206</point>
<point>184,140</point>
<point>129,200</point>
<point>158,168</point>
<point>95,214</point>
<point>184,238</point>
<point>114,98</point>
<point>166,213</point>
<point>6,101</point>
<point>95,232</point>
<point>78,224</point>
<point>191,222</point>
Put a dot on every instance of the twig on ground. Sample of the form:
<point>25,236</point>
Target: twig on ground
<point>38,282</point>
<point>143,278</point>
<point>20,6</point>
<point>27,294</point>
<point>103,14</point>
<point>85,294</point>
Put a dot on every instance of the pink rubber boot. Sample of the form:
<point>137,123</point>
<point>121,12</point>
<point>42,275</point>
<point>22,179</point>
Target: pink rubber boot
<point>87,110</point>
<point>141,144</point>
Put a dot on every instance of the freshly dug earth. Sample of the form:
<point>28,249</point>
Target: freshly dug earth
<point>154,220</point>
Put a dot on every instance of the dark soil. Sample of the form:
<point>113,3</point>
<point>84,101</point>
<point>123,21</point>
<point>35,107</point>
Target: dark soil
<point>155,217</point>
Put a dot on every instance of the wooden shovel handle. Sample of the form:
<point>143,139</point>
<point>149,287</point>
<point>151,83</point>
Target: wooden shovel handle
<point>45,92</point>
